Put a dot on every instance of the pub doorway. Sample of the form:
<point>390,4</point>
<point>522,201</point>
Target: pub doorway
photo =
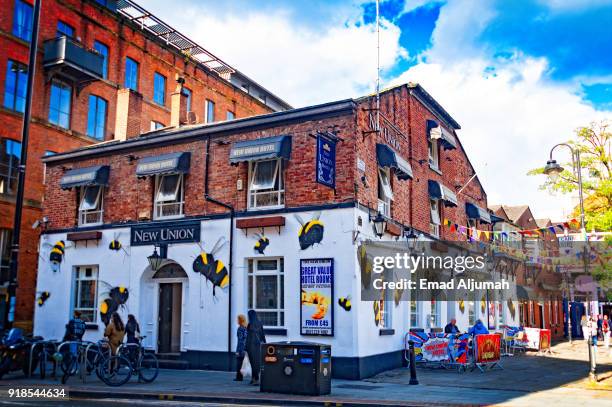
<point>170,278</point>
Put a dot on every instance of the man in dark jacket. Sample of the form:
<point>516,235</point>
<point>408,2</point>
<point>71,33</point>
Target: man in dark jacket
<point>75,328</point>
<point>451,327</point>
<point>255,337</point>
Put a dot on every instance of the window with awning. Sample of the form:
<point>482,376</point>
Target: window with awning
<point>261,149</point>
<point>80,177</point>
<point>173,163</point>
<point>436,132</point>
<point>476,212</point>
<point>440,192</point>
<point>387,158</point>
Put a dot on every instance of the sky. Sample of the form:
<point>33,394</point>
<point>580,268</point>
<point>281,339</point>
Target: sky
<point>518,76</point>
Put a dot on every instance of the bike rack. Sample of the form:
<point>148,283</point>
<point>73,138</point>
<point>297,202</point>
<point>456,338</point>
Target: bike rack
<point>33,346</point>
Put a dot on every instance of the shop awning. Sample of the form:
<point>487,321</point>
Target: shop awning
<point>97,175</point>
<point>435,131</point>
<point>476,212</point>
<point>524,293</point>
<point>261,149</point>
<point>388,158</point>
<point>439,191</point>
<point>163,164</point>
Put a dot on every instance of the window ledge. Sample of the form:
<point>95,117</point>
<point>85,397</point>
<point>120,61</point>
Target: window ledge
<point>91,327</point>
<point>386,332</point>
<point>435,169</point>
<point>275,331</point>
<point>265,208</point>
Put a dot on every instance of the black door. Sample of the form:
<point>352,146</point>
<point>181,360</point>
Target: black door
<point>541,307</point>
<point>169,323</point>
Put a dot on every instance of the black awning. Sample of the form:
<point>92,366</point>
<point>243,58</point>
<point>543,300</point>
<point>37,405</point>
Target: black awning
<point>79,177</point>
<point>439,191</point>
<point>476,212</point>
<point>261,149</point>
<point>164,164</point>
<point>388,158</point>
<point>436,131</point>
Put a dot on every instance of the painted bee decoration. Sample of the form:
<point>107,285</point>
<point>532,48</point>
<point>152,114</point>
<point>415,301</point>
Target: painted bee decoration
<point>310,232</point>
<point>213,269</point>
<point>365,265</point>
<point>44,296</point>
<point>115,245</point>
<point>345,303</point>
<point>57,255</point>
<point>261,244</point>
<point>377,312</point>
<point>118,297</point>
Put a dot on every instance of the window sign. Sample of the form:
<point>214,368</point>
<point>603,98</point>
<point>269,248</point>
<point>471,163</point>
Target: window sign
<point>317,297</point>
<point>326,161</point>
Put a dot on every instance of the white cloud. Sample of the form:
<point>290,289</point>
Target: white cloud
<point>573,5</point>
<point>302,64</point>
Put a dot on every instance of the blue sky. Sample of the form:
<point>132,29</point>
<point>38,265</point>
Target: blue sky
<point>519,76</point>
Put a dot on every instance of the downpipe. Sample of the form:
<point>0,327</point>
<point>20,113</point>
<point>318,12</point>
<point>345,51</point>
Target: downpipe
<point>231,252</point>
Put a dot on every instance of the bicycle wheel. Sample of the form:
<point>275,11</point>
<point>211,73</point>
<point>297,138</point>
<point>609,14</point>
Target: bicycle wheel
<point>115,371</point>
<point>148,367</point>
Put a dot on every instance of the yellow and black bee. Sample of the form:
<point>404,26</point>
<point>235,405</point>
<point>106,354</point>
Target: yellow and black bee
<point>345,302</point>
<point>118,297</point>
<point>462,306</point>
<point>311,232</point>
<point>57,254</point>
<point>213,269</point>
<point>261,244</point>
<point>365,264</point>
<point>44,296</point>
<point>115,245</point>
<point>377,312</point>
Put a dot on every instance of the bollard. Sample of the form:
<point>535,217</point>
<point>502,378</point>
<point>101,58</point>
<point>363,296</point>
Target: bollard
<point>413,374</point>
<point>592,358</point>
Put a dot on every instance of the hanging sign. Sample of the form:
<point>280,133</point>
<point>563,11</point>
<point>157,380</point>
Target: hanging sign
<point>317,297</point>
<point>184,232</point>
<point>326,161</point>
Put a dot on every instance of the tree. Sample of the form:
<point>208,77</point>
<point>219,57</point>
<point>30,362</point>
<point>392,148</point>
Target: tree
<point>594,143</point>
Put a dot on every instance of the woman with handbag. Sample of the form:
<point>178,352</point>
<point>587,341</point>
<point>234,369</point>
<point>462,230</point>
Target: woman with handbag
<point>255,337</point>
<point>241,333</point>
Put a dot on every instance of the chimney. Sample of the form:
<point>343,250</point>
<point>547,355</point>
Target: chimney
<point>178,104</point>
<point>129,113</point>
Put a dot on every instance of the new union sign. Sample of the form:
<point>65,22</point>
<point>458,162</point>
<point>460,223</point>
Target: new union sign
<point>164,234</point>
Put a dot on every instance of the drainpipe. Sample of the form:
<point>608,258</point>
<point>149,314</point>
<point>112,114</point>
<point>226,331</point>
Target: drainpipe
<point>231,250</point>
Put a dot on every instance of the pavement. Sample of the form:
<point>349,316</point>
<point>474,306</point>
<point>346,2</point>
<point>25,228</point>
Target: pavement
<point>525,380</point>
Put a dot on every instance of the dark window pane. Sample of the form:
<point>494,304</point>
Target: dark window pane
<point>159,89</point>
<point>267,292</point>
<point>15,86</point>
<point>96,117</point>
<point>64,29</point>
<point>22,20</point>
<point>10,154</point>
<point>102,50</point>
<point>131,74</point>
<point>59,106</point>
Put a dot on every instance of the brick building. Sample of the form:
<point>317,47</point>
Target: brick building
<point>104,72</point>
<point>541,299</point>
<point>268,196</point>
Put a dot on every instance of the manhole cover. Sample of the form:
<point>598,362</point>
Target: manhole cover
<point>358,386</point>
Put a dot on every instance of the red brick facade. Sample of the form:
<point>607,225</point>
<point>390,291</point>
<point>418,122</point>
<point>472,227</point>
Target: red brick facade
<point>128,198</point>
<point>92,22</point>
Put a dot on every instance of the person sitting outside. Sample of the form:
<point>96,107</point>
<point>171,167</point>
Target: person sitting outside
<point>451,327</point>
<point>478,329</point>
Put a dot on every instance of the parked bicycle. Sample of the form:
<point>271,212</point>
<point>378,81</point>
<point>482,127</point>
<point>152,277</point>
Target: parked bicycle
<point>131,359</point>
<point>15,352</point>
<point>83,355</point>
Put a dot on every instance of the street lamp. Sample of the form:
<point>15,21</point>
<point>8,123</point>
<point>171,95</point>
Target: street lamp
<point>155,259</point>
<point>380,224</point>
<point>411,239</point>
<point>554,170</point>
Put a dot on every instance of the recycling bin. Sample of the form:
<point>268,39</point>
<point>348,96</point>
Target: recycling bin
<point>296,368</point>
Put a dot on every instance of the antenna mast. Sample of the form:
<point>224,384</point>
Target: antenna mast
<point>377,66</point>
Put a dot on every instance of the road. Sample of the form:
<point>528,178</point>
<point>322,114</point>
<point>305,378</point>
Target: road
<point>114,402</point>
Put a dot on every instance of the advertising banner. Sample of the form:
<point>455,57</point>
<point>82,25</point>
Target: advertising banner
<point>544,339</point>
<point>488,348</point>
<point>531,338</point>
<point>317,297</point>
<point>439,347</point>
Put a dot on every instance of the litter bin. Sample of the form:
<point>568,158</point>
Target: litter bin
<point>296,368</point>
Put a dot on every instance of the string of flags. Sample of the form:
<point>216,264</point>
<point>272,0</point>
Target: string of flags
<point>487,235</point>
<point>495,240</point>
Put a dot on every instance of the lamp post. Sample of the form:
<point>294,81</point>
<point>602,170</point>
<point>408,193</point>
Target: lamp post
<point>554,170</point>
<point>380,224</point>
<point>155,259</point>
